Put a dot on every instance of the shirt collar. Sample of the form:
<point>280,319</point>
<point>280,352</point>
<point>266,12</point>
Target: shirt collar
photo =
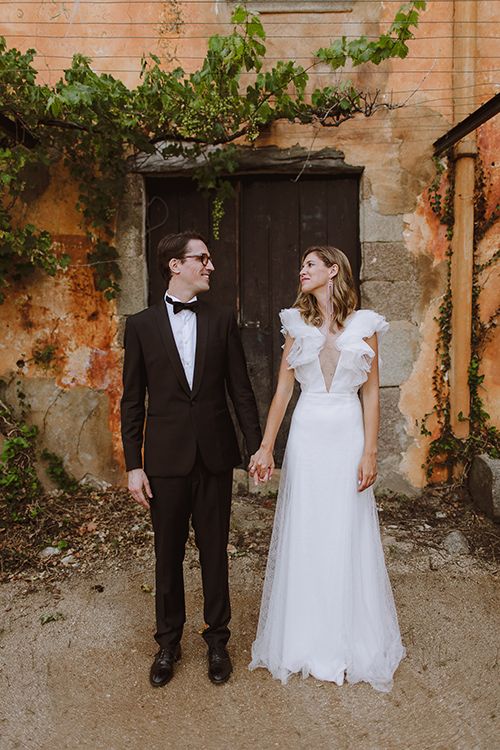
<point>176,299</point>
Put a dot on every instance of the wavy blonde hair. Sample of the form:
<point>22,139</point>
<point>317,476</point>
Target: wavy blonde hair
<point>345,298</point>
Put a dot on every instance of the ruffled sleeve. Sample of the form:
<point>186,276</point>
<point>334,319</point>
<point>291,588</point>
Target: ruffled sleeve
<point>357,354</point>
<point>307,340</point>
<point>364,323</point>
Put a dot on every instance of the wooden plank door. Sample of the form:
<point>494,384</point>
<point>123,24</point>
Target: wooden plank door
<point>279,220</point>
<point>175,205</point>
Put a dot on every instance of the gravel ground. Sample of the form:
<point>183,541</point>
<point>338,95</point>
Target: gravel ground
<point>76,640</point>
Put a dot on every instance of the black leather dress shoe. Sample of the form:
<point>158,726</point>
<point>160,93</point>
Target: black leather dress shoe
<point>219,665</point>
<point>162,669</point>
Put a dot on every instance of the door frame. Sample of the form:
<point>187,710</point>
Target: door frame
<point>131,215</point>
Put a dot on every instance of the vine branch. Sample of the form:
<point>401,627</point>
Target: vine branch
<point>95,122</point>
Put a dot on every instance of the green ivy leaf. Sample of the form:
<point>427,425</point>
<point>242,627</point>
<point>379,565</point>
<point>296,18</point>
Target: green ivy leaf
<point>240,15</point>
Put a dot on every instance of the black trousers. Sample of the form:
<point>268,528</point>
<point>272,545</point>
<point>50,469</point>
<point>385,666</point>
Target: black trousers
<point>205,499</point>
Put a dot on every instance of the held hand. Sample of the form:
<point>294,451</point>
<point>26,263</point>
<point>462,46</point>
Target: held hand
<point>261,465</point>
<point>252,468</point>
<point>367,471</point>
<point>138,485</point>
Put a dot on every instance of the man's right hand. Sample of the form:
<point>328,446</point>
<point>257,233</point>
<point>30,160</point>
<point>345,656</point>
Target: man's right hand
<point>138,485</point>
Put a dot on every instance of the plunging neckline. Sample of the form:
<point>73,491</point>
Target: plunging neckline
<point>328,364</point>
<point>355,358</point>
<point>336,336</point>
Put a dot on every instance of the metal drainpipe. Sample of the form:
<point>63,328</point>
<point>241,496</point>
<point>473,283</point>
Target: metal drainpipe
<point>464,58</point>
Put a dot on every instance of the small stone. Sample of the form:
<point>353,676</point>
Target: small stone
<point>94,483</point>
<point>55,493</point>
<point>435,562</point>
<point>440,514</point>
<point>400,549</point>
<point>455,543</point>
<point>67,559</point>
<point>388,540</point>
<point>231,549</point>
<point>50,552</point>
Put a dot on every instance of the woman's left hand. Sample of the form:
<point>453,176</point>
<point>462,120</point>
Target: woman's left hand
<point>367,471</point>
<point>261,465</point>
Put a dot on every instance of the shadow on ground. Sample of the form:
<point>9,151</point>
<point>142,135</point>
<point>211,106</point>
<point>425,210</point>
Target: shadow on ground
<point>76,646</point>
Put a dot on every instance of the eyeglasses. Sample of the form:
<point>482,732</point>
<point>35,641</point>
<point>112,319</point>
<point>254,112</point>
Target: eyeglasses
<point>203,258</point>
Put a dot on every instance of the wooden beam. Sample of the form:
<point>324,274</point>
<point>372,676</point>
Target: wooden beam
<point>485,112</point>
<point>16,130</point>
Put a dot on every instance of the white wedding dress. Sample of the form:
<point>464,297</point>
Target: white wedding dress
<point>327,606</point>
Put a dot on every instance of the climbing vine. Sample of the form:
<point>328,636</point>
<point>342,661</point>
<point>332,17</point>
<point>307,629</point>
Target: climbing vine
<point>447,450</point>
<point>57,472</point>
<point>19,483</point>
<point>20,486</point>
<point>94,123</point>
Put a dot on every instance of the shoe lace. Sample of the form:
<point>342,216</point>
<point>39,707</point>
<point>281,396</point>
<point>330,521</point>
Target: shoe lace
<point>165,655</point>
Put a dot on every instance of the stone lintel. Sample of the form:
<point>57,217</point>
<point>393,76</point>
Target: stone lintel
<point>270,159</point>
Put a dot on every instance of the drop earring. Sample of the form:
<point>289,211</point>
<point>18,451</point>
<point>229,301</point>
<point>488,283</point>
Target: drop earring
<point>329,303</point>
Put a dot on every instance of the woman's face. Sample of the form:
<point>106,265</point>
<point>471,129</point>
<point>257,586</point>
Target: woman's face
<point>314,274</point>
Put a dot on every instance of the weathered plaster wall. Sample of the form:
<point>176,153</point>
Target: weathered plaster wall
<point>74,397</point>
<point>425,238</point>
<point>403,245</point>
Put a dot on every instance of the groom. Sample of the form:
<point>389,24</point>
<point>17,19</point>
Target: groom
<point>184,353</point>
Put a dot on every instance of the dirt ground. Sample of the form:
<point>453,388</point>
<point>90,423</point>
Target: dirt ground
<point>76,645</point>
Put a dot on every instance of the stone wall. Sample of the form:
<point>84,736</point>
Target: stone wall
<point>389,284</point>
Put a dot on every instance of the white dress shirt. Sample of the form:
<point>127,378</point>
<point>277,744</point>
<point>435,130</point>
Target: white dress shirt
<point>184,329</point>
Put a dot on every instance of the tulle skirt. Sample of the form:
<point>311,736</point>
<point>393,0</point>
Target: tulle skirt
<point>327,606</point>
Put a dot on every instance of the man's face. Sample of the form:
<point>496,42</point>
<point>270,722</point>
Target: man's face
<point>191,271</point>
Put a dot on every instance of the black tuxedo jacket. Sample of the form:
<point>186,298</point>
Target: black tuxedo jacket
<point>179,419</point>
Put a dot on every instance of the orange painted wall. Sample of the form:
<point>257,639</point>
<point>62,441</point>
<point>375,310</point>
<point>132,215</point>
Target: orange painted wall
<point>427,235</point>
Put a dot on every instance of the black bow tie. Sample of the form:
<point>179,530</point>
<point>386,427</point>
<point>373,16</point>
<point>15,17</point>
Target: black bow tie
<point>178,306</point>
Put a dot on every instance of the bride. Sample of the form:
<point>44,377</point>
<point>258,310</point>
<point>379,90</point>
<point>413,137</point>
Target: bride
<point>327,606</point>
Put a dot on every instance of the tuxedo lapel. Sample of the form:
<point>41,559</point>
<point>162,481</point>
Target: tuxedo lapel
<point>202,323</point>
<point>167,337</point>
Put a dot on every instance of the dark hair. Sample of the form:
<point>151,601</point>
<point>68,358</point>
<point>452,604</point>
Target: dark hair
<point>174,246</point>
